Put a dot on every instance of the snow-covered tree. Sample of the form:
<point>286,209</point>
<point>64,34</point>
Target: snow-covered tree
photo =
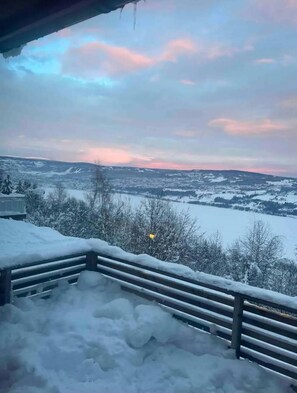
<point>253,258</point>
<point>159,230</point>
<point>7,186</point>
<point>20,189</point>
<point>209,256</point>
<point>1,178</point>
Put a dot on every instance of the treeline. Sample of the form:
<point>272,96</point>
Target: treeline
<point>154,227</point>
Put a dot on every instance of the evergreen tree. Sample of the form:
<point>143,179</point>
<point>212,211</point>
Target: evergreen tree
<point>7,186</point>
<point>1,179</point>
<point>20,188</point>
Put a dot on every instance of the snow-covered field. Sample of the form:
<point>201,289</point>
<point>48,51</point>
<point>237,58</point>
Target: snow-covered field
<point>94,338</point>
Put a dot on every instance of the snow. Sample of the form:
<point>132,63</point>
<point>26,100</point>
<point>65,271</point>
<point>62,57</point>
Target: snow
<point>22,243</point>
<point>51,173</point>
<point>78,194</point>
<point>284,182</point>
<point>232,224</point>
<point>218,179</point>
<point>94,338</point>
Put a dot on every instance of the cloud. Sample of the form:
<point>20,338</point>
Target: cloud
<point>265,61</point>
<point>176,48</point>
<point>146,97</point>
<point>97,59</point>
<point>273,11</point>
<point>248,128</point>
<point>111,156</point>
<point>187,82</point>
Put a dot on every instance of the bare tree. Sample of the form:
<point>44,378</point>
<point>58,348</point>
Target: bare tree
<point>100,193</point>
<point>259,252</point>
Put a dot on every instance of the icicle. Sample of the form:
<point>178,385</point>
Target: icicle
<point>121,11</point>
<point>135,12</point>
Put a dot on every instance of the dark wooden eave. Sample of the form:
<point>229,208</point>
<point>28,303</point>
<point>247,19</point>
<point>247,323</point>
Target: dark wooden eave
<point>22,21</point>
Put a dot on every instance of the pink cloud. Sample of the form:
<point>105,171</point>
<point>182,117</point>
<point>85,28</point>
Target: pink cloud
<point>107,156</point>
<point>187,82</point>
<point>265,61</point>
<point>248,128</point>
<point>97,59</point>
<point>176,48</point>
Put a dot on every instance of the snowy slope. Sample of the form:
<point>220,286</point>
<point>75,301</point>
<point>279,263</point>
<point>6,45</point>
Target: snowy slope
<point>97,339</point>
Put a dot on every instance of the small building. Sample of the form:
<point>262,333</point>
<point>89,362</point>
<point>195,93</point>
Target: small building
<point>13,206</point>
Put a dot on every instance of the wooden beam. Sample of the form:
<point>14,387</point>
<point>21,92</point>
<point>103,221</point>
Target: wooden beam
<point>49,16</point>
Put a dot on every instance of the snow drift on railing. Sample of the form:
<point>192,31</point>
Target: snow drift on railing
<point>23,243</point>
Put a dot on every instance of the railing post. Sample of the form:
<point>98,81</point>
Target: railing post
<point>5,286</point>
<point>91,261</point>
<point>237,324</point>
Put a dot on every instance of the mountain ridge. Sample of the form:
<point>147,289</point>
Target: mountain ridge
<point>270,194</point>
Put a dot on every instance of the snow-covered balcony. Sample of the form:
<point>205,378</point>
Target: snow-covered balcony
<point>86,317</point>
<point>13,206</point>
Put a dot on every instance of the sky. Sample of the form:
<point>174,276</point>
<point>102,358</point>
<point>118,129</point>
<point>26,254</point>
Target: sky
<point>194,84</point>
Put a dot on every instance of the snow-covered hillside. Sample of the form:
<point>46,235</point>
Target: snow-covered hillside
<point>94,338</point>
<point>231,189</point>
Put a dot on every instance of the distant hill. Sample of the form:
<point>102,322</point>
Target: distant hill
<point>232,189</point>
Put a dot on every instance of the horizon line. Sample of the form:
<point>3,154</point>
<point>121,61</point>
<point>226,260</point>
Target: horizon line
<point>146,167</point>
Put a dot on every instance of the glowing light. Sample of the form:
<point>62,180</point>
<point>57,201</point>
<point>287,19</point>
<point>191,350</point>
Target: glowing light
<point>152,236</point>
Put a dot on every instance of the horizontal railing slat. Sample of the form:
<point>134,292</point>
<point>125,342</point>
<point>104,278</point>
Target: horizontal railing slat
<point>40,277</point>
<point>166,273</point>
<point>283,330</point>
<point>275,340</point>
<point>268,351</point>
<point>47,267</point>
<point>44,284</point>
<point>48,260</point>
<point>268,363</point>
<point>271,314</point>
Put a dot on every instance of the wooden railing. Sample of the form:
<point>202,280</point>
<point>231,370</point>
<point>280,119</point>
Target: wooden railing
<point>12,205</point>
<point>258,329</point>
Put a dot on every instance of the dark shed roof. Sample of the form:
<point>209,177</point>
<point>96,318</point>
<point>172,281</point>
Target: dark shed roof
<point>22,21</point>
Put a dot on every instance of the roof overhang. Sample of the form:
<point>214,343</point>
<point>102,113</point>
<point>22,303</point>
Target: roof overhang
<point>22,21</point>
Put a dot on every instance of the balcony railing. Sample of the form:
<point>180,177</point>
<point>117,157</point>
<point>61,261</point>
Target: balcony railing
<point>261,330</point>
<point>12,206</point>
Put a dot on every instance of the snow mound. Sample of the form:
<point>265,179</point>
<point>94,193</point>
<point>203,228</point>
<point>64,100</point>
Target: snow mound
<point>23,243</point>
<point>95,338</point>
